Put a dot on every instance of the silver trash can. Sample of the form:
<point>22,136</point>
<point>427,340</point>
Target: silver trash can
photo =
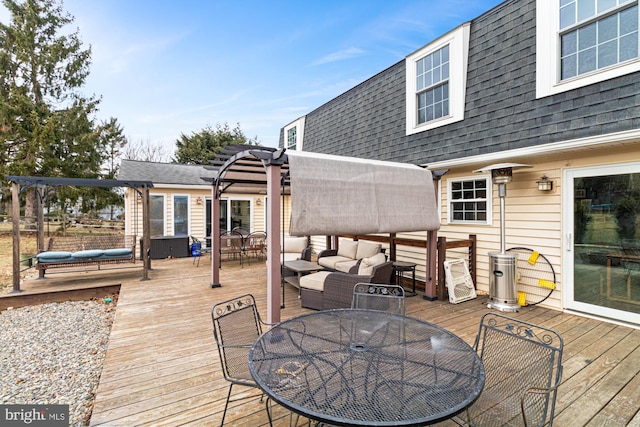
<point>503,295</point>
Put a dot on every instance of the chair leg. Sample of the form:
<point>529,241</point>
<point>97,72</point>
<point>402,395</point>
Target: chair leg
<point>268,412</point>
<point>224,413</point>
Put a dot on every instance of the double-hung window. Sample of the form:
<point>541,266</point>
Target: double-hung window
<point>581,42</point>
<point>432,85</point>
<point>436,82</point>
<point>596,34</point>
<point>469,200</point>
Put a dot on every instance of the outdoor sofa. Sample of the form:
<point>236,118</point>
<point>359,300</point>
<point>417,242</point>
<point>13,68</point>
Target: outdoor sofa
<point>326,290</point>
<point>348,254</point>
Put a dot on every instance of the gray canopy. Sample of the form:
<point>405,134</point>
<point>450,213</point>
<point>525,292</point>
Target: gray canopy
<point>333,195</point>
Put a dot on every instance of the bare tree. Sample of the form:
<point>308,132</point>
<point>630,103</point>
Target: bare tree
<point>146,151</point>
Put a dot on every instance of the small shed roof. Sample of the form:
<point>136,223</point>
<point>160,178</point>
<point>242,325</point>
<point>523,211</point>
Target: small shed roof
<point>165,173</point>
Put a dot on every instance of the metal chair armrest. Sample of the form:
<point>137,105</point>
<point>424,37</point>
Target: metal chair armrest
<point>537,390</point>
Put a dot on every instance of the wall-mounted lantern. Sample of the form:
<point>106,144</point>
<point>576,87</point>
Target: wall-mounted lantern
<point>545,184</point>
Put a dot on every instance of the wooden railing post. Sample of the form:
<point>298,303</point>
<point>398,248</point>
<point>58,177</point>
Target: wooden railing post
<point>472,258</point>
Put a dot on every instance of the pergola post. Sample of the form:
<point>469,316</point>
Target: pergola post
<point>274,273</point>
<point>40,218</point>
<point>146,234</point>
<point>15,220</point>
<point>430,289</point>
<point>215,237</point>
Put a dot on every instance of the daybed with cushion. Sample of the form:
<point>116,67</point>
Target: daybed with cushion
<point>348,254</point>
<point>74,251</point>
<point>326,290</point>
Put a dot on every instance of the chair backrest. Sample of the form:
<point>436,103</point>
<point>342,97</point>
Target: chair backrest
<point>518,357</point>
<point>240,230</point>
<point>236,325</point>
<point>372,296</point>
<point>231,242</point>
<point>256,241</point>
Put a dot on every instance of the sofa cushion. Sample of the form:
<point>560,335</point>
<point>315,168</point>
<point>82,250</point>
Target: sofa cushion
<point>314,281</point>
<point>88,254</point>
<point>294,244</point>
<point>367,264</point>
<point>345,266</point>
<point>290,256</point>
<point>117,252</point>
<point>54,256</point>
<point>331,261</point>
<point>367,249</point>
<point>348,248</point>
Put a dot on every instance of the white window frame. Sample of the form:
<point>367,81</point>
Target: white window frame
<point>164,210</point>
<point>173,212</point>
<point>458,41</point>
<point>299,125</point>
<point>548,56</point>
<point>489,198</point>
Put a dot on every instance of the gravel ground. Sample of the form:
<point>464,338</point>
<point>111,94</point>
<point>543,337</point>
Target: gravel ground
<point>53,354</point>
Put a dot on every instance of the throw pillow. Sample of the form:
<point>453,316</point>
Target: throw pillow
<point>367,249</point>
<point>367,264</point>
<point>347,248</point>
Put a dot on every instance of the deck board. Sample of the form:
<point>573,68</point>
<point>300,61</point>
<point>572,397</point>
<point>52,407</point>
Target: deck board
<point>162,366</point>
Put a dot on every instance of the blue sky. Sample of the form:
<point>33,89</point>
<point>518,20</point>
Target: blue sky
<point>169,67</point>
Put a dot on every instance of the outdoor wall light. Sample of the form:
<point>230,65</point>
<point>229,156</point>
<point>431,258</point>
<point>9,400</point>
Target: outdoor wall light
<point>258,202</point>
<point>545,184</point>
<point>199,200</point>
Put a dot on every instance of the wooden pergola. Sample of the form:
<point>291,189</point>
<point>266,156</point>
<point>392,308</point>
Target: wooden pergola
<point>19,184</point>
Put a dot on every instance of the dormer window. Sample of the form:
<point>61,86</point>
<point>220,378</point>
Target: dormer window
<point>436,82</point>
<point>294,134</point>
<point>582,42</point>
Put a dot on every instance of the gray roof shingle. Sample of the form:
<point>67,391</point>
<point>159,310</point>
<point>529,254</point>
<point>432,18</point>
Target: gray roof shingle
<point>165,173</point>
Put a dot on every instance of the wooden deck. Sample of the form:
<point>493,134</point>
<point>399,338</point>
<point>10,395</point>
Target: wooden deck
<point>162,366</point>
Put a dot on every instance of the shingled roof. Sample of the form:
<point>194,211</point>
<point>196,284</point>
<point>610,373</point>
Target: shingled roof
<point>165,173</point>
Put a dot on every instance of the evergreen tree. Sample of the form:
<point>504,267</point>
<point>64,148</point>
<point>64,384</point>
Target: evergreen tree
<point>45,123</point>
<point>202,146</point>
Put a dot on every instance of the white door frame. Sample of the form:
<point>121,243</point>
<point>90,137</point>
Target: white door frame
<point>568,257</point>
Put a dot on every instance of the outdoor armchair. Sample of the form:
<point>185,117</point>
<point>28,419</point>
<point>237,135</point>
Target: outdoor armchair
<point>523,368</point>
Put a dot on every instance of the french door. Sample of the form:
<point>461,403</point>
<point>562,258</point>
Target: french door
<point>602,244</point>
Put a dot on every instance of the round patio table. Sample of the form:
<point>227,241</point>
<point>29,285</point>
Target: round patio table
<point>361,367</point>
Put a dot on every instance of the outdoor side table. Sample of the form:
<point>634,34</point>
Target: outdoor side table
<point>399,267</point>
<point>353,367</point>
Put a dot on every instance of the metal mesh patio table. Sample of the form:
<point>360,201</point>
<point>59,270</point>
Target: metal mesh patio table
<point>360,367</point>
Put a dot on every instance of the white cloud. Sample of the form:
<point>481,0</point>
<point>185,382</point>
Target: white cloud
<point>341,55</point>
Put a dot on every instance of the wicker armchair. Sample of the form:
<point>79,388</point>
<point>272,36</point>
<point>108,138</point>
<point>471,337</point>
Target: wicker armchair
<point>338,287</point>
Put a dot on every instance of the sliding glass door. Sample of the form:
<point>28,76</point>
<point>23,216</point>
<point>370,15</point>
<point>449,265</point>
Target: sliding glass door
<point>602,266</point>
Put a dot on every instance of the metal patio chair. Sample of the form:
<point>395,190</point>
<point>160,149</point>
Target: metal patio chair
<point>236,325</point>
<point>372,296</point>
<point>523,368</point>
<point>232,245</point>
<point>255,244</point>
